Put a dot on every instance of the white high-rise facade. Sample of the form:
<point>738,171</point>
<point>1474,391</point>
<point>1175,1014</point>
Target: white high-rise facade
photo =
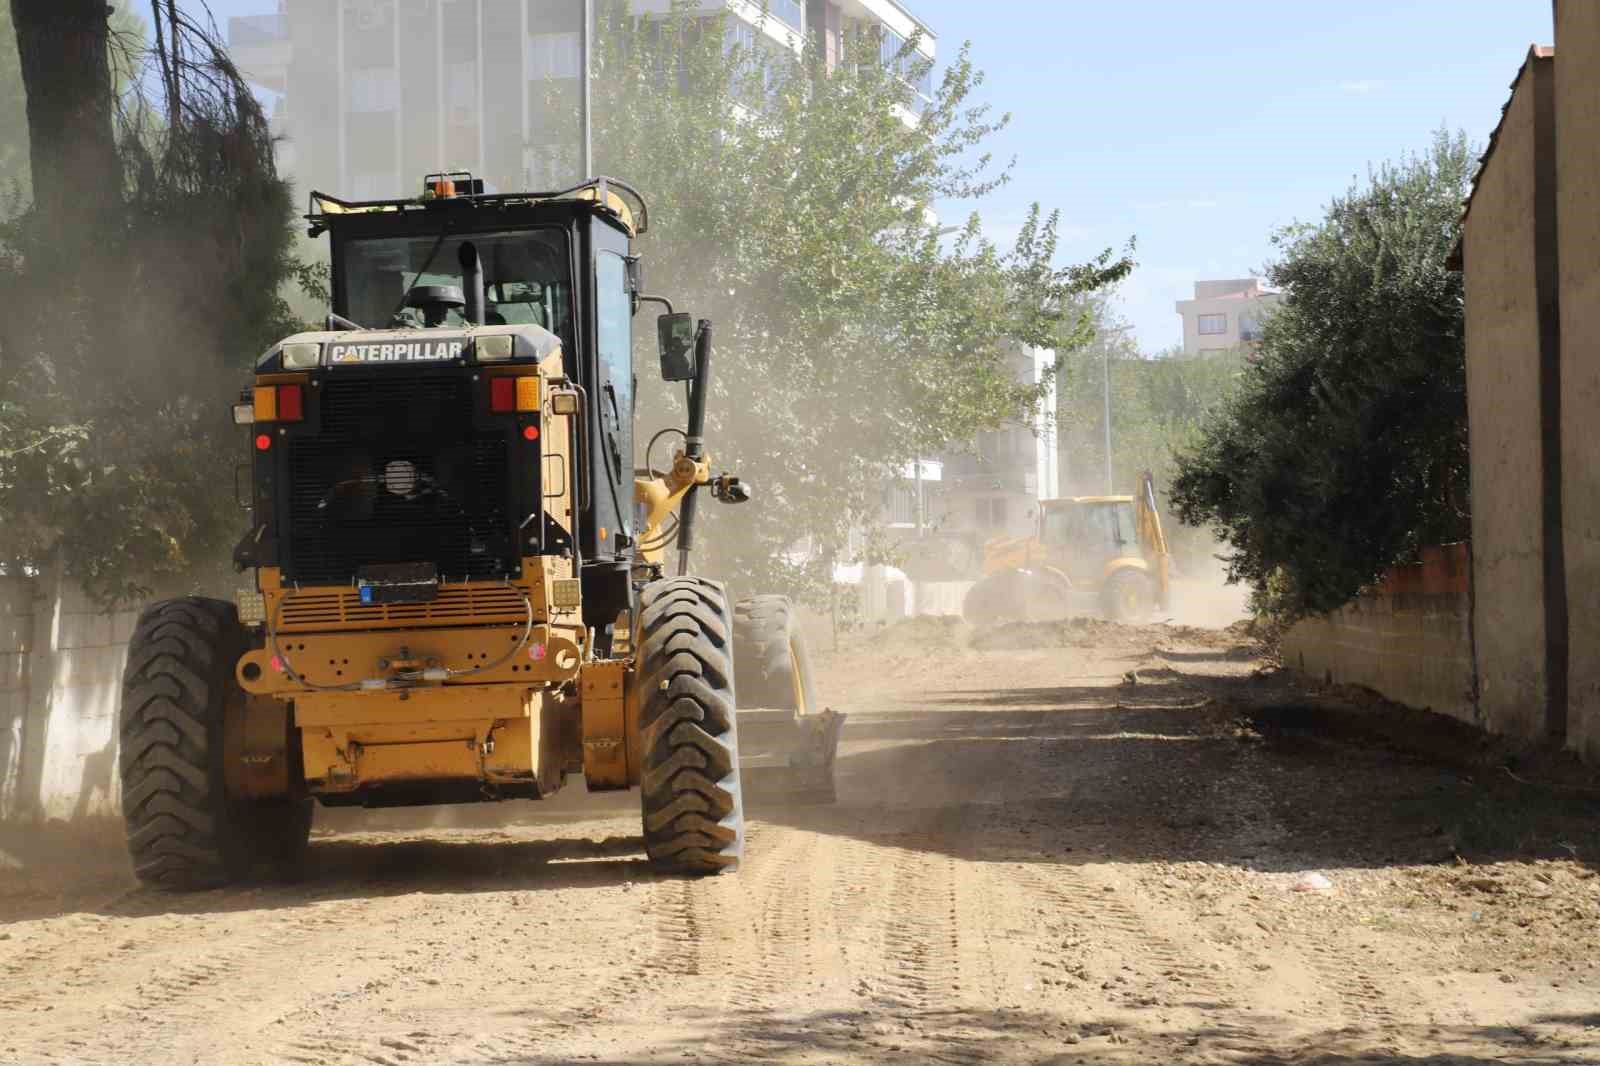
<point>373,94</point>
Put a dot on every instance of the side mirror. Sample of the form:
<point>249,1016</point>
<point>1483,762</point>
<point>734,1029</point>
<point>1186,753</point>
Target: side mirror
<point>676,335</point>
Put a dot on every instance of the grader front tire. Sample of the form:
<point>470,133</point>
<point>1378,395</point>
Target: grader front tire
<point>692,806</point>
<point>183,833</point>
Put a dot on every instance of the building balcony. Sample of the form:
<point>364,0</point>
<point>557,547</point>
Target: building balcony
<point>259,46</point>
<point>254,30</point>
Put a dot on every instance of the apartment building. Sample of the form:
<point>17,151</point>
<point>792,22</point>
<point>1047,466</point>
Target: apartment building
<point>1225,315</point>
<point>375,93</point>
<point>994,488</point>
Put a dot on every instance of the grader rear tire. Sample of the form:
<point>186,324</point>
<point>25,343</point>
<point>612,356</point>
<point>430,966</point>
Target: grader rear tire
<point>183,832</point>
<point>692,805</point>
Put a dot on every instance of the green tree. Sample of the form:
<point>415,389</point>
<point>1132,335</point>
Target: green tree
<point>792,207</point>
<point>1345,449</point>
<point>116,367</point>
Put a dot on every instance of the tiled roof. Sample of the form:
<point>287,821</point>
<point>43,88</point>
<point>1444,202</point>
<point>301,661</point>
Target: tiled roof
<point>1538,51</point>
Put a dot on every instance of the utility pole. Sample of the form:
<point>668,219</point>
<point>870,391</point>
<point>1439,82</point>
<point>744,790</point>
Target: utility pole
<point>1106,348</point>
<point>584,90</point>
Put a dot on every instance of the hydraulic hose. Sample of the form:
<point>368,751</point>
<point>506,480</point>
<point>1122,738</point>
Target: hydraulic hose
<point>694,440</point>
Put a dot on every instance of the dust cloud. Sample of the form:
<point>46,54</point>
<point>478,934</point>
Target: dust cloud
<point>1202,596</point>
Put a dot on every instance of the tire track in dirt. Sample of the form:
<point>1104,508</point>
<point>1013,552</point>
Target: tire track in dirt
<point>1248,807</point>
<point>771,953</point>
<point>65,953</point>
<point>920,938</point>
<point>1115,928</point>
<point>131,966</point>
<point>197,981</point>
<point>378,977</point>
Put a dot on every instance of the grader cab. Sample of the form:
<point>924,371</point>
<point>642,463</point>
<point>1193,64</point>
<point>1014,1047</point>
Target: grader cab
<point>458,585</point>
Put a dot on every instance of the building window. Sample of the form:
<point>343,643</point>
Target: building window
<point>554,55</point>
<point>1213,325</point>
<point>992,512</point>
<point>1249,328</point>
<point>373,90</point>
<point>461,93</point>
<point>901,504</point>
<point>788,11</point>
<point>371,14</point>
<point>905,66</point>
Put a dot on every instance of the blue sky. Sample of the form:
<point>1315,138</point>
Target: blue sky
<point>1198,127</point>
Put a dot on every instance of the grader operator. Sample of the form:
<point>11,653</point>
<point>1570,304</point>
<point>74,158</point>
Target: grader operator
<point>458,586</point>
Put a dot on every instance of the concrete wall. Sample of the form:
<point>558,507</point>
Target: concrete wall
<point>58,700</point>
<point>1508,247</point>
<point>16,638</point>
<point>1410,640</point>
<point>1577,92</point>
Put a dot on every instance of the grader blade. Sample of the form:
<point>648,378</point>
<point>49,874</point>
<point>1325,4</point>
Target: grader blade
<point>788,756</point>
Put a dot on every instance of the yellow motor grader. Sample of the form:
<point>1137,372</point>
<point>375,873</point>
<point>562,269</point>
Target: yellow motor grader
<point>457,587</point>
<point>1091,554</point>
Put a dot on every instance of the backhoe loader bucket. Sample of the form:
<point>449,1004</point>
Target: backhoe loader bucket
<point>787,747</point>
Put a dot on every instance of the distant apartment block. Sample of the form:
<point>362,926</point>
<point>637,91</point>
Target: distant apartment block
<point>375,93</point>
<point>994,489</point>
<point>1225,315</point>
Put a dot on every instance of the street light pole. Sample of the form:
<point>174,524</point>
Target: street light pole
<point>1106,348</point>
<point>586,52</point>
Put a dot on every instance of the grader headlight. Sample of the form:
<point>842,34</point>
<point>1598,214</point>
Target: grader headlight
<point>252,606</point>
<point>301,356</point>
<point>494,349</point>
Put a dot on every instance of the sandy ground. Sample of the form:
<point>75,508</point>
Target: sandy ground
<point>1067,844</point>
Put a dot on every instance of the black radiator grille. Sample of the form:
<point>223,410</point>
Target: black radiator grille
<point>397,472</point>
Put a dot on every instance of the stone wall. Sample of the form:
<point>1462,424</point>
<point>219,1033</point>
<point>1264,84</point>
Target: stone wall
<point>1410,639</point>
<point>16,640</point>
<point>62,659</point>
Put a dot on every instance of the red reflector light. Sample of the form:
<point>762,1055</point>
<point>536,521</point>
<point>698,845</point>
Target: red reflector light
<point>502,395</point>
<point>263,441</point>
<point>291,404</point>
<point>530,432</point>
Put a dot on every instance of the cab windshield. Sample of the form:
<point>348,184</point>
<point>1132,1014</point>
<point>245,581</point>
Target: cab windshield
<point>1107,524</point>
<point>526,273</point>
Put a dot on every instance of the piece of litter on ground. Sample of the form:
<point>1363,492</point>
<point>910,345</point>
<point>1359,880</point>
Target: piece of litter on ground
<point>1313,882</point>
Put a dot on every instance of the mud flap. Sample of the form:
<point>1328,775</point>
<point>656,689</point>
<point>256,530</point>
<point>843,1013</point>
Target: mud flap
<point>787,756</point>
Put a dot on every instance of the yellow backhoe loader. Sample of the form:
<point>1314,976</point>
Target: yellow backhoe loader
<point>1090,554</point>
<point>456,585</point>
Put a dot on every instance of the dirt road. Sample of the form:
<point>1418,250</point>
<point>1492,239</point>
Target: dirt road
<point>1072,845</point>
